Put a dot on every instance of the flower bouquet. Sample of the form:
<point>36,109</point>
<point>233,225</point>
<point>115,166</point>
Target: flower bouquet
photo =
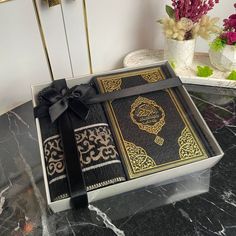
<point>187,20</point>
<point>222,51</point>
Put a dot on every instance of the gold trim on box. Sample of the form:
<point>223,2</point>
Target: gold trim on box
<point>120,138</point>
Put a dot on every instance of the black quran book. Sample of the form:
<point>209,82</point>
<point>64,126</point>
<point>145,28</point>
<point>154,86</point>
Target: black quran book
<point>153,131</point>
<point>99,159</point>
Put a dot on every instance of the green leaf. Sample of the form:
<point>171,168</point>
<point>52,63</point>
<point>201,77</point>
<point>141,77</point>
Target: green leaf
<point>232,75</point>
<point>218,44</point>
<point>204,71</point>
<point>170,11</point>
<point>172,64</point>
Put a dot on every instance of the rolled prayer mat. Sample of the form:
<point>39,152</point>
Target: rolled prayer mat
<point>100,162</point>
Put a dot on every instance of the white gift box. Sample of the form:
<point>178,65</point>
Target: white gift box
<point>141,182</point>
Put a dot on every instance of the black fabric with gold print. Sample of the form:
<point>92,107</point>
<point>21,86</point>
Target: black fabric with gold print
<point>153,132</point>
<point>99,158</point>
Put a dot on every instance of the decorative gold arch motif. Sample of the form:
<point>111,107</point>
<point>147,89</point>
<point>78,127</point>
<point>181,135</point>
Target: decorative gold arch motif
<point>139,160</point>
<point>188,146</point>
<point>149,116</point>
<point>112,84</point>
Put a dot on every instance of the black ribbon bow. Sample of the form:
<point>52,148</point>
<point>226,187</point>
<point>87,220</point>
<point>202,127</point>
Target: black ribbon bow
<point>61,98</point>
<point>57,101</point>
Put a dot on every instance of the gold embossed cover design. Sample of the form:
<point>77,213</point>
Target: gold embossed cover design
<point>152,131</point>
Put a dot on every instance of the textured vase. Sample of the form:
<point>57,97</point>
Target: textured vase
<point>180,53</point>
<point>225,59</point>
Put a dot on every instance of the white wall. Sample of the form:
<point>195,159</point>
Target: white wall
<point>22,58</point>
<point>117,27</point>
<point>54,33</point>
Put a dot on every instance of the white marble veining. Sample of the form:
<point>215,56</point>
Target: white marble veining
<point>2,199</point>
<point>106,221</point>
<point>14,130</point>
<point>204,204</point>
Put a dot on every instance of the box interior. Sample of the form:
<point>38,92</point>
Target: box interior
<point>129,185</point>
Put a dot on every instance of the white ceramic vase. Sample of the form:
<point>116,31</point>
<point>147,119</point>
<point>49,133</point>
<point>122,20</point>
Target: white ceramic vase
<point>180,53</point>
<point>225,59</point>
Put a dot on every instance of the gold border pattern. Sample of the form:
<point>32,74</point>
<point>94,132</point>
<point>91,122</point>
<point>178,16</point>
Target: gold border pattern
<point>112,85</point>
<point>155,74</point>
<point>188,147</point>
<point>139,159</point>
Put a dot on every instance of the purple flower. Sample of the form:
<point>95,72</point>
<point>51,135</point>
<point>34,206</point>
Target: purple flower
<point>230,23</point>
<point>229,34</point>
<point>232,16</point>
<point>192,9</point>
<point>230,37</point>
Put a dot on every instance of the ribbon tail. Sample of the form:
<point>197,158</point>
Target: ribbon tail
<point>57,109</point>
<point>75,177</point>
<point>79,108</point>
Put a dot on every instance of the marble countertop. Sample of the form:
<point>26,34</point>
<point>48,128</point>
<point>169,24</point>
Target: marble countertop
<point>199,204</point>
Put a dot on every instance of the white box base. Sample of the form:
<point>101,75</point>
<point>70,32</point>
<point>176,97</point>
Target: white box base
<point>141,182</point>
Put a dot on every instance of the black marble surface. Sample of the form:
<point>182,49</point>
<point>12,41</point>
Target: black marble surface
<point>199,204</point>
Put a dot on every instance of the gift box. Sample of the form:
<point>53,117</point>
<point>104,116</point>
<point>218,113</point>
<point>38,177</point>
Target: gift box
<point>110,133</point>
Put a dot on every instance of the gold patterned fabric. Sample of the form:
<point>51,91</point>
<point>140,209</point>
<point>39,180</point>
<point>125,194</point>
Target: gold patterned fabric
<point>99,159</point>
<point>97,150</point>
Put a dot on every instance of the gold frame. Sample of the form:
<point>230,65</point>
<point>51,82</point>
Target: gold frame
<point>44,41</point>
<point>87,35</point>
<point>42,37</point>
<point>3,1</point>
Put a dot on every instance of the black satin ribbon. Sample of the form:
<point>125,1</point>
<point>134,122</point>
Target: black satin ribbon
<point>59,99</point>
<point>136,90</point>
<point>75,178</point>
<point>79,97</point>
